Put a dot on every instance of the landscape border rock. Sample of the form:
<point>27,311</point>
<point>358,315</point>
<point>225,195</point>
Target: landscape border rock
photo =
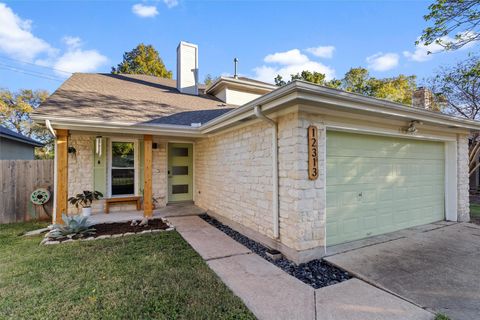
<point>316,273</point>
<point>46,241</point>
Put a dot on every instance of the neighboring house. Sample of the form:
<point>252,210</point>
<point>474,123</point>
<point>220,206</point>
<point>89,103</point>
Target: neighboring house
<point>241,150</point>
<point>15,146</point>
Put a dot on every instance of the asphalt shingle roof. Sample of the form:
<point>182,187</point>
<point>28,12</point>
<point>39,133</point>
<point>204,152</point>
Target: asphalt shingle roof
<point>127,98</point>
<point>9,134</point>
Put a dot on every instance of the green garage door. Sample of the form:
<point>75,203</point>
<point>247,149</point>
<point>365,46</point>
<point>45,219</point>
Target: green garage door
<point>380,184</point>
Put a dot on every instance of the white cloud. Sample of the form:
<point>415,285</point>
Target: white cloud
<point>383,61</point>
<point>322,51</point>
<point>78,60</point>
<point>171,3</point>
<point>72,42</point>
<point>422,51</point>
<point>16,38</point>
<point>287,63</point>
<point>18,42</point>
<point>287,57</point>
<point>144,11</point>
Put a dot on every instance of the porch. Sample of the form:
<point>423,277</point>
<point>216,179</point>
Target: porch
<point>173,210</point>
<point>150,171</point>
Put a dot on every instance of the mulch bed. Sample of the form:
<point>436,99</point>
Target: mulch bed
<point>316,273</point>
<point>119,228</point>
<point>124,227</point>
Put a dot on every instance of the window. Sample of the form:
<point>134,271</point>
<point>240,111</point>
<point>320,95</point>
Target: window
<point>122,168</point>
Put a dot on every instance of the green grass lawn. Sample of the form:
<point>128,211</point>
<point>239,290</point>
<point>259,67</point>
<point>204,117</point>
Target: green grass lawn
<point>475,210</point>
<point>152,276</point>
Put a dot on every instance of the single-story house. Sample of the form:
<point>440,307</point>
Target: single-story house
<point>298,167</point>
<point>16,146</point>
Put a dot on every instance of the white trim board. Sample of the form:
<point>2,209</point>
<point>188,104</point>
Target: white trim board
<point>136,155</point>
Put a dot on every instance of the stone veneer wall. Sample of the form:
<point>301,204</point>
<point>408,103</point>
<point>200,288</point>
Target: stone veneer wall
<point>233,173</point>
<point>80,166</point>
<point>233,176</point>
<point>463,206</point>
<point>80,173</point>
<point>302,201</point>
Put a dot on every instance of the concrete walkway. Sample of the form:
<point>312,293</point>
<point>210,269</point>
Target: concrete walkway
<point>271,293</point>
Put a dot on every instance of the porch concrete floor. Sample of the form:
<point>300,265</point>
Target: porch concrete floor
<point>271,293</point>
<point>172,210</point>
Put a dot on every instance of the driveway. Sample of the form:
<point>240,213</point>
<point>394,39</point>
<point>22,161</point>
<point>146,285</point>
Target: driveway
<point>436,266</point>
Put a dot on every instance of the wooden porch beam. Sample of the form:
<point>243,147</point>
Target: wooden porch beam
<point>147,179</point>
<point>61,192</point>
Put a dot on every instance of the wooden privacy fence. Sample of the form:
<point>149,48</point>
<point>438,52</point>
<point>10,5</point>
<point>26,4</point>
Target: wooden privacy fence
<point>18,179</point>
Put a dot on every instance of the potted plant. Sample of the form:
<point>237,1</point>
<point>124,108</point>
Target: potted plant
<point>85,200</point>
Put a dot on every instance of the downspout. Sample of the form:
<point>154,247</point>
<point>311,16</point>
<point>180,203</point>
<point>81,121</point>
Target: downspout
<point>273,124</point>
<point>54,198</point>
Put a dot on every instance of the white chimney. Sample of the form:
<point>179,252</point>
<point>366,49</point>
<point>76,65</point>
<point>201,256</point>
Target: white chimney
<point>187,68</point>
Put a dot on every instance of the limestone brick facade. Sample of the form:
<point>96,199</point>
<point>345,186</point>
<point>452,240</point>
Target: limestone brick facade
<point>463,208</point>
<point>80,173</point>
<point>233,178</point>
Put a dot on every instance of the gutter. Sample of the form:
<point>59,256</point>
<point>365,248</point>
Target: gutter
<point>125,127</point>
<point>275,198</point>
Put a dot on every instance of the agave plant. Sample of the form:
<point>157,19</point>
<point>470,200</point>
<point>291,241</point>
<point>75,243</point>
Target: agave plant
<point>72,227</point>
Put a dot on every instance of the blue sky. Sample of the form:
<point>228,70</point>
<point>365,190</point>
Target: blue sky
<point>268,37</point>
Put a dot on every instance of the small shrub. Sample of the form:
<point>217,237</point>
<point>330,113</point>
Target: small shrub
<point>73,227</point>
<point>441,316</point>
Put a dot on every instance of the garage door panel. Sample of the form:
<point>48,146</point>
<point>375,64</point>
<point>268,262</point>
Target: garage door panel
<point>379,184</point>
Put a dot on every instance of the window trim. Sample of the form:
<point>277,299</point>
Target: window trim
<point>136,156</point>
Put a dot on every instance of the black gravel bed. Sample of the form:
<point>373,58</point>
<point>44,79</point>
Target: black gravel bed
<point>316,273</point>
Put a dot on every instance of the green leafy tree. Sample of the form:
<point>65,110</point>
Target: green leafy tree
<point>209,79</point>
<point>15,109</point>
<point>279,81</point>
<point>143,59</point>
<point>313,77</point>
<point>458,88</point>
<point>398,89</point>
<point>357,80</point>
<point>455,23</point>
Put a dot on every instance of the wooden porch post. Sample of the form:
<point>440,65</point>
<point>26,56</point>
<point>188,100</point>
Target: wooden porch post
<point>61,193</point>
<point>147,179</point>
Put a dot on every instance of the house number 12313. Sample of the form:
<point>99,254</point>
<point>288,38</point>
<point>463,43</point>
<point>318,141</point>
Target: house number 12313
<point>312,152</point>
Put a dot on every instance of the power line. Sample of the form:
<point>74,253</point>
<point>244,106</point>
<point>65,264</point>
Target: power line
<point>29,73</point>
<point>34,64</point>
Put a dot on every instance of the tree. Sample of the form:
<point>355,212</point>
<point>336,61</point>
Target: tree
<point>15,109</point>
<point>305,75</point>
<point>455,23</point>
<point>209,79</point>
<point>398,89</point>
<point>143,59</point>
<point>356,80</point>
<point>458,87</point>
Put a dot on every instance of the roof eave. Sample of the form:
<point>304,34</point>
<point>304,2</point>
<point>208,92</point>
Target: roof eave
<point>306,92</point>
<point>115,126</point>
<point>226,80</point>
<point>32,143</point>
